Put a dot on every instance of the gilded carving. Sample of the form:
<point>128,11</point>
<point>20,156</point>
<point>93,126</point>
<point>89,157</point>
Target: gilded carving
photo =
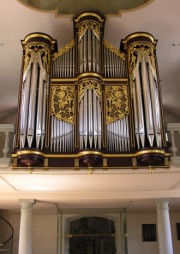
<point>116,103</point>
<point>38,49</point>
<point>64,50</point>
<point>62,103</point>
<point>89,84</point>
<point>113,49</point>
<point>89,24</point>
<point>146,49</point>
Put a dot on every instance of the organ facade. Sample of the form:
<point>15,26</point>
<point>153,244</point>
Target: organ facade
<point>90,105</point>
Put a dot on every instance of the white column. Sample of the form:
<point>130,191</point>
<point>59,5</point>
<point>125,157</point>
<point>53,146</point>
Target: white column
<point>25,234</point>
<point>164,228</point>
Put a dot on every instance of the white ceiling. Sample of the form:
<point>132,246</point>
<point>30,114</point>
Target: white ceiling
<point>79,189</point>
<point>135,189</point>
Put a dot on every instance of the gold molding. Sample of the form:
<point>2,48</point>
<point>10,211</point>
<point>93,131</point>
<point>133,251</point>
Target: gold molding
<point>88,75</point>
<point>89,153</point>
<point>24,152</point>
<point>150,151</point>
<point>35,35</point>
<point>135,35</point>
<point>113,155</point>
<point>89,14</point>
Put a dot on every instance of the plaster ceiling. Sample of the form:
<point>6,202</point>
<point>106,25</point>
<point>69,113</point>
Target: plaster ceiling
<point>66,7</point>
<point>136,190</point>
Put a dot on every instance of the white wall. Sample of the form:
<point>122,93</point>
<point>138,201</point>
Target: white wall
<point>134,234</point>
<point>44,232</point>
<point>175,218</point>
<point>134,229</point>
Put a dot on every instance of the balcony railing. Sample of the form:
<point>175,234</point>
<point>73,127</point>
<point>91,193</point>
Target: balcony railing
<point>6,144</point>
<point>173,130</point>
<point>7,136</point>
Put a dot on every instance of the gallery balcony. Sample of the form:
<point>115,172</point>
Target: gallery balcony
<point>7,135</point>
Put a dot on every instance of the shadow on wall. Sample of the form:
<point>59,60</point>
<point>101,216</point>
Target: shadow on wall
<point>8,116</point>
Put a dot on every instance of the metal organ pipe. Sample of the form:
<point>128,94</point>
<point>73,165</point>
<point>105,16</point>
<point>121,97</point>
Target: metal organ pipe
<point>145,92</point>
<point>89,53</point>
<point>89,118</point>
<point>64,62</point>
<point>33,103</point>
<point>155,106</point>
<point>24,108</point>
<point>90,104</point>
<point>147,102</point>
<point>139,104</point>
<point>114,61</point>
<point>62,132</point>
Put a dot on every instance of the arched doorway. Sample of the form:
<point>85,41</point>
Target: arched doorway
<point>92,235</point>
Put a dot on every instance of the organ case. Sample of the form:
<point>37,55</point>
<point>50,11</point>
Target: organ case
<point>90,104</point>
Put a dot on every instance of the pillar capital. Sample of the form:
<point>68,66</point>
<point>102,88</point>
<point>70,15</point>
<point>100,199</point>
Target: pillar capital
<point>27,203</point>
<point>162,204</point>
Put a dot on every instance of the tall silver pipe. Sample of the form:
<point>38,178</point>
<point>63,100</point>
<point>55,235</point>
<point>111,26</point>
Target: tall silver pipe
<point>85,119</point>
<point>60,137</point>
<point>99,124</point>
<point>89,50</point>
<point>147,101</point>
<point>156,108</point>
<point>85,52</point>
<point>81,131</point>
<point>32,101</point>
<point>90,116</point>
<point>40,104</point>
<point>140,108</point>
<point>135,113</point>
<point>44,114</point>
<point>95,119</point>
<point>24,108</point>
<point>94,51</point>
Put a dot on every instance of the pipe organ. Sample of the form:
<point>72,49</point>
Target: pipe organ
<point>90,104</point>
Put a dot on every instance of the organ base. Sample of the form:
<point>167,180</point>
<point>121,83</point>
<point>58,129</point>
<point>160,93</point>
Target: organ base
<point>29,157</point>
<point>90,158</point>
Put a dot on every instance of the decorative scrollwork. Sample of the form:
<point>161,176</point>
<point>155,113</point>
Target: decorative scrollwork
<point>64,50</point>
<point>42,50</point>
<point>90,84</point>
<point>146,49</point>
<point>62,103</point>
<point>89,24</point>
<point>116,103</point>
<point>115,50</point>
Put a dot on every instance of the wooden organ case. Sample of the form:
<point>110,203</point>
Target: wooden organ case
<point>90,105</point>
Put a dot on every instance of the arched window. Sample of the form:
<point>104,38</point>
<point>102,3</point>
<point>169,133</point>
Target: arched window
<point>92,235</point>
